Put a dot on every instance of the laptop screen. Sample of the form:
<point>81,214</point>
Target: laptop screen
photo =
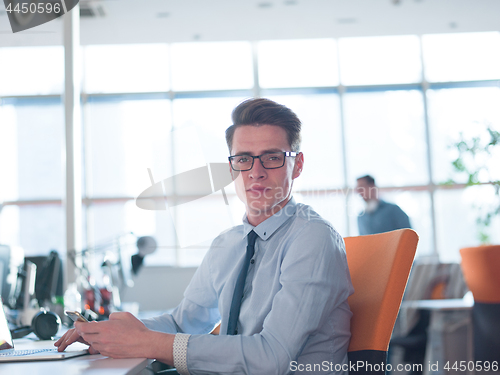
<point>5,336</point>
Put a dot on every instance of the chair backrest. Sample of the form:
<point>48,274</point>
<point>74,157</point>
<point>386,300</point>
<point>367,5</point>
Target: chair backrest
<point>379,265</point>
<point>481,268</point>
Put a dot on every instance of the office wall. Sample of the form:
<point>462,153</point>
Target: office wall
<point>159,288</point>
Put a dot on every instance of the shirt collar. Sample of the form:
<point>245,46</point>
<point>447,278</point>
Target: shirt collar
<point>266,229</point>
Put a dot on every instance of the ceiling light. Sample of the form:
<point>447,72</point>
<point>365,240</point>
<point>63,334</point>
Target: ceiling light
<point>265,5</point>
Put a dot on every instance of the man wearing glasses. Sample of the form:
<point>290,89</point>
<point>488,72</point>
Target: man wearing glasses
<point>277,285</point>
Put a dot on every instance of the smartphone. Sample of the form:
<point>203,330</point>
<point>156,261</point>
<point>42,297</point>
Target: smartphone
<point>75,316</point>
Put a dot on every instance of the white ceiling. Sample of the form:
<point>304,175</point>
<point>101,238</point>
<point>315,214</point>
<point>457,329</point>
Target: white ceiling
<point>158,21</point>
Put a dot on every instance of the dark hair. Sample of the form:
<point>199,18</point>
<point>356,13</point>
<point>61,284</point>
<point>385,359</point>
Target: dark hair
<point>260,111</point>
<point>369,179</point>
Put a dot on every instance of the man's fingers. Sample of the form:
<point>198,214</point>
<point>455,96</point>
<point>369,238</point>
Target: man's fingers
<point>65,336</point>
<point>93,351</point>
<point>90,327</point>
<point>59,341</point>
<point>67,339</point>
<point>62,342</point>
<point>62,345</point>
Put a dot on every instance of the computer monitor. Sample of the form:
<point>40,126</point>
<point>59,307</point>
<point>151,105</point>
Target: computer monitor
<point>49,279</point>
<point>11,259</point>
<point>49,276</point>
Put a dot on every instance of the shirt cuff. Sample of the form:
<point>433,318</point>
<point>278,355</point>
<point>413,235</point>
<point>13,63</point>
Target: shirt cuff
<point>180,353</point>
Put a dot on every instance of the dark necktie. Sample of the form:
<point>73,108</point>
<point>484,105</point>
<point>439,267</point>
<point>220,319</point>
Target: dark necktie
<point>234,313</point>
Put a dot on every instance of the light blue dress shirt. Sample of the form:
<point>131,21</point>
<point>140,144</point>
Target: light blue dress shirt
<point>294,314</point>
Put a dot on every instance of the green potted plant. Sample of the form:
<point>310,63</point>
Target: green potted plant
<point>475,153</point>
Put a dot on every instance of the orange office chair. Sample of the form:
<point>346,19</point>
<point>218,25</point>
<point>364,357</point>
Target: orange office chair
<point>481,268</point>
<point>379,265</point>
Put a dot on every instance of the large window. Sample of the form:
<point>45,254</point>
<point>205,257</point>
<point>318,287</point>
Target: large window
<point>386,106</point>
<point>385,136</point>
<point>298,63</point>
<point>383,60</point>
<point>31,170</point>
<point>461,57</point>
<point>42,71</point>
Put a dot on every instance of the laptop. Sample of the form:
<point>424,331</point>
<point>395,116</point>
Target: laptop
<point>32,351</point>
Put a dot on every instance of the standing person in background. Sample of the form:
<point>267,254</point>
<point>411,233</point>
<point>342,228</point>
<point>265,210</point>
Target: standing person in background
<point>379,216</point>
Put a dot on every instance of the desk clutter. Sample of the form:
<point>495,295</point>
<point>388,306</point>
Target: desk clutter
<point>421,334</point>
<point>32,287</point>
<point>449,316</point>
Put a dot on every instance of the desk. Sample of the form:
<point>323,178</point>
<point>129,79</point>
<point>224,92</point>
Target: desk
<point>449,333</point>
<point>439,304</point>
<point>88,364</point>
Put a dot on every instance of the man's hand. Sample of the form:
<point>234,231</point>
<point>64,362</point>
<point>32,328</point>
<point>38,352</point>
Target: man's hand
<point>69,338</point>
<point>124,336</point>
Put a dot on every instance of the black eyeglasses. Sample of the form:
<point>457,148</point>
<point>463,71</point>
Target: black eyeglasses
<point>270,160</point>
